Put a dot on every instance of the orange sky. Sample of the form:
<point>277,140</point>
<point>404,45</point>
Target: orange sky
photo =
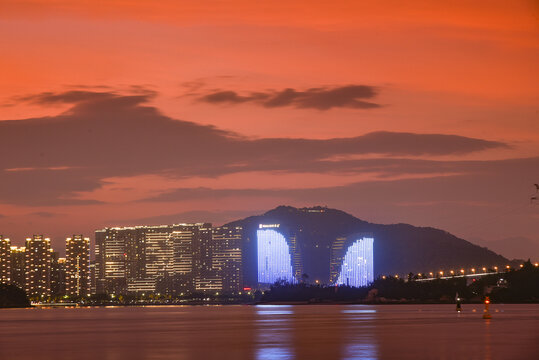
<point>457,67</point>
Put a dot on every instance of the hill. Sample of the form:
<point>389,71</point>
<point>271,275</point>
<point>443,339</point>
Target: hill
<point>398,248</point>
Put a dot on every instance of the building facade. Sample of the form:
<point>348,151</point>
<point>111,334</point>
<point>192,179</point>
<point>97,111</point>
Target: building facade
<point>58,275</point>
<point>18,266</point>
<point>38,267</point>
<point>227,257</point>
<point>352,260</point>
<point>5,260</point>
<point>171,259</point>
<point>77,266</point>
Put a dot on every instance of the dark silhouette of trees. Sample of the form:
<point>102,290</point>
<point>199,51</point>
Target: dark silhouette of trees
<point>12,296</point>
<point>513,286</point>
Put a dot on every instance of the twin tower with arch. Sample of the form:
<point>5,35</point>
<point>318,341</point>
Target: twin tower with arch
<point>281,257</point>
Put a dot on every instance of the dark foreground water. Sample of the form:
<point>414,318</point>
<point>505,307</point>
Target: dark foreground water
<point>271,332</point>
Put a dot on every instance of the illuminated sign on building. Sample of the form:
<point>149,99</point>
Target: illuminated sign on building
<point>274,259</point>
<point>357,266</point>
<point>268,226</point>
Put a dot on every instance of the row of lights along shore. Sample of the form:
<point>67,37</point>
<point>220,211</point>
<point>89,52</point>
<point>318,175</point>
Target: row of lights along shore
<point>461,272</point>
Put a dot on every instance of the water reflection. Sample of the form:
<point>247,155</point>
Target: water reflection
<point>361,340</point>
<point>313,332</point>
<point>359,311</point>
<point>273,340</point>
<point>365,350</point>
<point>269,332</point>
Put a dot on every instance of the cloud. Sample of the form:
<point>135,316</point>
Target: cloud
<point>106,134</point>
<point>45,214</point>
<point>68,97</point>
<point>323,98</point>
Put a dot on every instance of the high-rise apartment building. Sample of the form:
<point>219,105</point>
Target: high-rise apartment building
<point>5,260</point>
<point>93,289</point>
<point>77,266</point>
<point>168,258</point>
<point>226,257</point>
<point>58,275</point>
<point>159,251</point>
<point>38,267</point>
<point>205,278</point>
<point>18,266</point>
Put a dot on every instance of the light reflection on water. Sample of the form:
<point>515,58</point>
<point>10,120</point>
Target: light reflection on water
<point>269,332</point>
<point>359,311</point>
<point>273,340</point>
<point>365,350</point>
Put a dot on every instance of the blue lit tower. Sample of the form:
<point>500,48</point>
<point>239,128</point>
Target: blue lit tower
<point>278,257</point>
<point>352,261</point>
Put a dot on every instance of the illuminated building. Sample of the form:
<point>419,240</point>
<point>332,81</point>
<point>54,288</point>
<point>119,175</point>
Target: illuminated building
<point>336,259</point>
<point>110,254</point>
<point>144,258</point>
<point>5,260</point>
<point>119,254</point>
<point>18,266</point>
<point>77,266</point>
<point>38,267</point>
<point>91,269</point>
<point>356,267</point>
<point>202,253</point>
<point>226,257</point>
<point>182,247</point>
<point>58,275</point>
<point>159,252</point>
<point>185,258</point>
<point>208,284</point>
<point>274,256</point>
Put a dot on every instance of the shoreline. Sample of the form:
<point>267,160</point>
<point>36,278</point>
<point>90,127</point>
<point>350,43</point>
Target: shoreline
<point>270,303</point>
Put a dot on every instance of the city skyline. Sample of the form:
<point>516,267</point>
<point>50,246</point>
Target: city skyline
<point>420,114</point>
<point>239,179</point>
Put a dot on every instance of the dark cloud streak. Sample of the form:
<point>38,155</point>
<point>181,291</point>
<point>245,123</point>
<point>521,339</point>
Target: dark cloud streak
<point>323,98</point>
<point>110,135</point>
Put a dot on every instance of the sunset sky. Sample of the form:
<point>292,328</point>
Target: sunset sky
<point>128,112</point>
